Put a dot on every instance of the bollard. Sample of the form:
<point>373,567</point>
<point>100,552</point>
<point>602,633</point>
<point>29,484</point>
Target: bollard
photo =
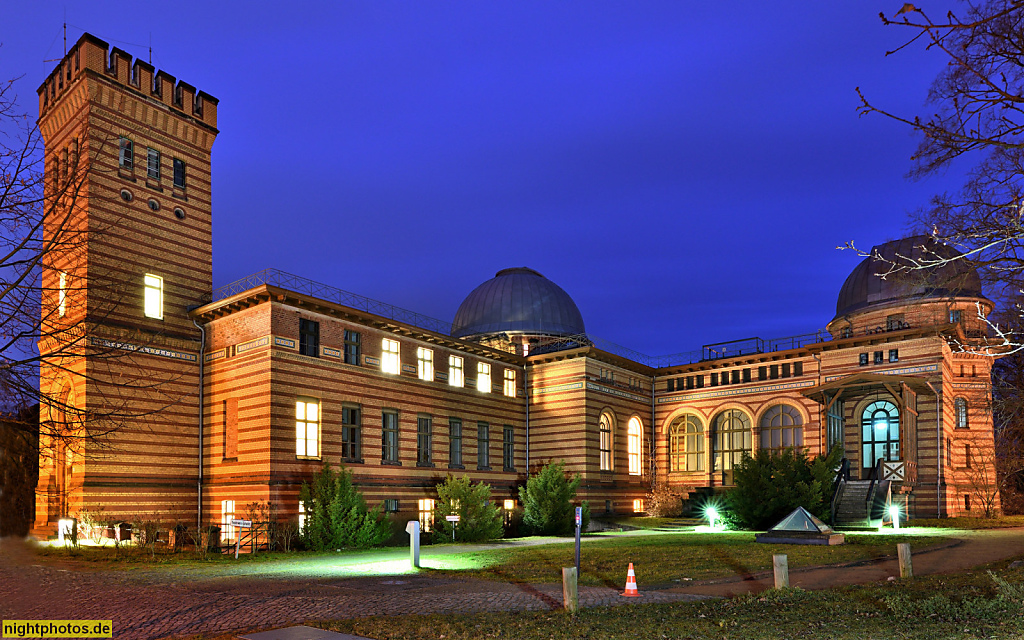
<point>906,567</point>
<point>781,565</point>
<point>570,595</point>
<point>413,529</point>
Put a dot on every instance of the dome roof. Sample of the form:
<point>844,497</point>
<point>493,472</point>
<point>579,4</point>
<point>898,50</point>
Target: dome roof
<point>518,300</point>
<point>865,288</point>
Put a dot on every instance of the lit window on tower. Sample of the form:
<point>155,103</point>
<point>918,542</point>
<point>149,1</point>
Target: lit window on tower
<point>154,296</point>
<point>62,294</point>
<point>425,363</point>
<point>483,377</point>
<point>389,360</point>
<point>456,374</point>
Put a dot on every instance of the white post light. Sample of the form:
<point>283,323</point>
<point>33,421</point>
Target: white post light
<point>894,513</point>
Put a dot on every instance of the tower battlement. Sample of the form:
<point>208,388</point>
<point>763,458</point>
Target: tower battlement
<point>92,55</point>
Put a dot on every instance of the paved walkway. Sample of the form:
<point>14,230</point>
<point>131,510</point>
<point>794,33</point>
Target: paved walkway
<point>153,603</point>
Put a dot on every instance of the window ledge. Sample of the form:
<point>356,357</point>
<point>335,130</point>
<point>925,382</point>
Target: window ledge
<point>126,174</point>
<point>232,459</point>
<point>155,186</point>
<point>425,465</point>
<point>509,469</point>
<point>307,457</point>
<point>353,460</point>
<point>483,468</point>
<point>392,463</point>
<point>456,466</point>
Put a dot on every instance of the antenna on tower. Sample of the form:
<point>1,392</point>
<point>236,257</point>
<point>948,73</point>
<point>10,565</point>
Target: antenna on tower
<point>150,47</point>
<point>65,31</point>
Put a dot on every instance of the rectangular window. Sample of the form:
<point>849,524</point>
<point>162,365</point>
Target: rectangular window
<point>456,375</point>
<point>633,446</point>
<point>62,294</point>
<point>302,516</point>
<point>879,357</point>
<point>894,355</point>
<point>153,296</point>
<point>785,369</point>
<point>735,376</point>
<point>895,322</point>
<point>508,449</point>
<point>605,429</point>
<point>389,439</point>
<point>179,174</point>
<point>638,506</point>
<point>227,514</point>
<point>125,156</point>
<point>426,514</point>
<point>746,375</point>
<point>483,377</point>
<point>391,505</point>
<point>455,443</point>
<point>389,359</point>
<point>773,371</point>
<point>762,373</point>
<point>798,368</point>
<point>714,379</point>
<point>231,428</point>
<point>424,457</point>
<point>425,364</point>
<point>700,382</point>
<point>510,383</point>
<point>307,428</point>
<point>483,446</point>
<point>152,164</point>
<point>689,382</point>
<point>955,315</point>
<point>309,338</point>
<point>352,348</point>
<point>967,502</point>
<point>351,434</point>
<point>863,359</point>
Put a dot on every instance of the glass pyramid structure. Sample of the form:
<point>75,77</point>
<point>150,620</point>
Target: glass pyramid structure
<point>801,520</point>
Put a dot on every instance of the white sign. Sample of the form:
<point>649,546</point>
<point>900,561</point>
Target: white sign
<point>452,518</point>
<point>245,524</point>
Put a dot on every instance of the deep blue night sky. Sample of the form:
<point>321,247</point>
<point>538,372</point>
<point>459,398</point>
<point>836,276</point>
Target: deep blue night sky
<point>685,171</point>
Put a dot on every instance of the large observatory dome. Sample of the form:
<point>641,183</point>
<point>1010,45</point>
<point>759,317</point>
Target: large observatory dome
<point>518,300</point>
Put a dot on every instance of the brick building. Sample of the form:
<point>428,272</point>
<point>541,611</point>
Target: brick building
<point>229,396</point>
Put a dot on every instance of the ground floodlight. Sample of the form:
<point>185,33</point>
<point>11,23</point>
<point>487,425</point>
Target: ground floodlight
<point>894,512</point>
<point>712,514</point>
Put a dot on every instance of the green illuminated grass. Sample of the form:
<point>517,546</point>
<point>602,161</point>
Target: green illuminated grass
<point>957,606</point>
<point>665,559</point>
<point>971,523</point>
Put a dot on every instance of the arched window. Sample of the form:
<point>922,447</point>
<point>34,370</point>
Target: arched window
<point>880,426</point>
<point>686,444</point>
<point>605,428</point>
<point>781,427</point>
<point>960,405</point>
<point>634,445</point>
<point>730,441</point>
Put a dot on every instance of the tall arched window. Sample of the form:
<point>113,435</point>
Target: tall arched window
<point>960,405</point>
<point>781,427</point>
<point>634,445</point>
<point>686,444</point>
<point>730,441</point>
<point>880,426</point>
<point>605,429</point>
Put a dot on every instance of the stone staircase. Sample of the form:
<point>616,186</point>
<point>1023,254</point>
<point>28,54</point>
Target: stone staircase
<point>854,509</point>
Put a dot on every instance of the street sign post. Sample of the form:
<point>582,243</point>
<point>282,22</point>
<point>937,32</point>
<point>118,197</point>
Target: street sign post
<point>579,523</point>
<point>241,524</point>
<point>455,521</point>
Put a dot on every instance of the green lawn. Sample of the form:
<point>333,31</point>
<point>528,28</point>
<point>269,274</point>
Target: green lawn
<point>968,605</point>
<point>971,523</point>
<point>665,559</point>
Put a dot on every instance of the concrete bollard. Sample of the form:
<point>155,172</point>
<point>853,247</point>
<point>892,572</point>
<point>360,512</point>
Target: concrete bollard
<point>906,567</point>
<point>781,565</point>
<point>413,529</point>
<point>570,594</point>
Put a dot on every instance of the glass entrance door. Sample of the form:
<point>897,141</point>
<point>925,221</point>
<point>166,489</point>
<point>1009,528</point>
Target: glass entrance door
<point>730,440</point>
<point>880,434</point>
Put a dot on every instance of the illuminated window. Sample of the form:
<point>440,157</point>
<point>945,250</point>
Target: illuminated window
<point>880,430</point>
<point>781,427</point>
<point>426,514</point>
<point>352,347</point>
<point>455,443</point>
<point>125,156</point>
<point>638,506</point>
<point>425,363</point>
<point>509,505</point>
<point>960,406</point>
<point>483,377</point>
<point>307,428</point>
<point>350,434</point>
<point>955,315</point>
<point>508,511</point>
<point>309,338</point>
<point>389,440</point>
<point>424,426</point>
<point>62,294</point>
<point>153,287</point>
<point>227,514</point>
<point>391,505</point>
<point>508,448</point>
<point>605,427</point>
<point>389,361</point>
<point>302,516</point>
<point>179,173</point>
<point>483,446</point>
<point>634,445</point>
<point>456,375</point>
<point>686,444</point>
<point>510,383</point>
<point>152,164</point>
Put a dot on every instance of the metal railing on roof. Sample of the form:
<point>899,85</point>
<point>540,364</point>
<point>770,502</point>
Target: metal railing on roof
<point>291,282</point>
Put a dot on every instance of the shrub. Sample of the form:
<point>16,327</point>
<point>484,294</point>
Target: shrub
<point>771,484</point>
<point>336,514</point>
<point>478,519</point>
<point>662,502</point>
<point>548,502</point>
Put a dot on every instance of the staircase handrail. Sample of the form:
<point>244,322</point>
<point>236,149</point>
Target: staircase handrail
<point>875,476</point>
<point>842,476</point>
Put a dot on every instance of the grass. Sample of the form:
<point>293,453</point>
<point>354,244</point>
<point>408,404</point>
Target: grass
<point>664,559</point>
<point>1000,522</point>
<point>967,605</point>
<point>645,522</point>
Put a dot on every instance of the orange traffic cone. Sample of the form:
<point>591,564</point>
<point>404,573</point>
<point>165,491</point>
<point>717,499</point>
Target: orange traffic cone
<point>631,591</point>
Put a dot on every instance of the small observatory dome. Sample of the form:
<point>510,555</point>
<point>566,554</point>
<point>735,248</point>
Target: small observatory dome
<point>519,301</point>
<point>864,288</point>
